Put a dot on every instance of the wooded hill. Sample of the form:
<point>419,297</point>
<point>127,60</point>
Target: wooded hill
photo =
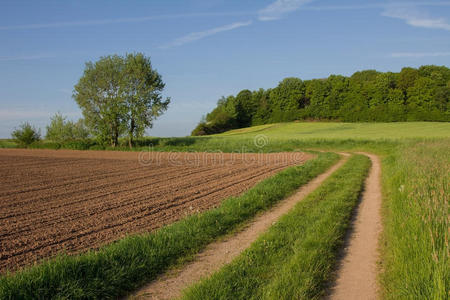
<point>367,96</point>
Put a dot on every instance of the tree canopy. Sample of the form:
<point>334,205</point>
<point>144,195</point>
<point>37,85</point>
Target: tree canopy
<point>120,96</point>
<point>367,96</point>
<point>60,129</point>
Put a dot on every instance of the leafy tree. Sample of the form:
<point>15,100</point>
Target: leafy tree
<point>395,106</point>
<point>420,99</point>
<point>142,93</point>
<point>120,95</point>
<point>287,98</point>
<point>317,91</point>
<point>245,108</point>
<point>263,112</point>
<point>79,130</point>
<point>60,129</point>
<point>26,134</point>
<point>407,78</point>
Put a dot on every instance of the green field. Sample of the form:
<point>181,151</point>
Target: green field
<point>414,248</point>
<point>335,130</point>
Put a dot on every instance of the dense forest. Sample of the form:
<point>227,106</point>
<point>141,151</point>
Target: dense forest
<point>367,96</point>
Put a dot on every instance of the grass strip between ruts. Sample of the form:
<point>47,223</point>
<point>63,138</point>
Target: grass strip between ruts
<point>295,258</point>
<point>123,266</point>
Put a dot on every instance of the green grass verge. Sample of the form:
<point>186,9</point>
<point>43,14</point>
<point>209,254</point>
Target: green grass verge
<point>125,265</point>
<point>295,258</point>
<point>7,143</point>
<point>416,252</point>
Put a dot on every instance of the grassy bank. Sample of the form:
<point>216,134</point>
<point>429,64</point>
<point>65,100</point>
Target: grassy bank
<point>295,258</point>
<point>339,130</point>
<point>125,265</point>
<point>416,251</point>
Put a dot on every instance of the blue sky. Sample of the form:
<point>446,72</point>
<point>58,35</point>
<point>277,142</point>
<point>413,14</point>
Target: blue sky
<point>205,49</point>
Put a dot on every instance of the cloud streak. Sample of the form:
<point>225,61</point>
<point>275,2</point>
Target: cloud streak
<point>414,17</point>
<point>195,36</point>
<point>25,57</point>
<point>418,54</point>
<point>16,114</point>
<point>274,11</point>
<point>120,20</point>
<point>280,8</point>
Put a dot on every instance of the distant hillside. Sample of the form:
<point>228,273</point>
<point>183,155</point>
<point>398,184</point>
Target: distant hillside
<point>367,96</point>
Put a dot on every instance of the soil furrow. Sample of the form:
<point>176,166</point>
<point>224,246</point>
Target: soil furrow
<point>71,201</point>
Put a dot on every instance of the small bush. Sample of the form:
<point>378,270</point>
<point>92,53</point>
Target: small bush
<point>61,130</point>
<point>26,134</point>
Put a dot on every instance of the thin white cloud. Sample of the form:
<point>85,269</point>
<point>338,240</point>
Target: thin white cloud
<point>418,54</point>
<point>195,36</point>
<point>16,114</point>
<point>25,57</point>
<point>120,20</point>
<point>379,5</point>
<point>272,12</point>
<point>279,8</point>
<point>413,16</point>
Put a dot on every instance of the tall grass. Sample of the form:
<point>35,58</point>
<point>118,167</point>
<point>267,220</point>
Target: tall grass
<point>295,258</point>
<point>125,265</point>
<point>417,253</point>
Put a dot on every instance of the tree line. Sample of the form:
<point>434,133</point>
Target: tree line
<point>412,94</point>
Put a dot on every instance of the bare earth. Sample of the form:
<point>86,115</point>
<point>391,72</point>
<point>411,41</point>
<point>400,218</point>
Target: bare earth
<point>62,200</point>
<point>356,277</point>
<point>217,254</point>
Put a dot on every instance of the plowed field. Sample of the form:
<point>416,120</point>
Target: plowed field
<point>53,201</point>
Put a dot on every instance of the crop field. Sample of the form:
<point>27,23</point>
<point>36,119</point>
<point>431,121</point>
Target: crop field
<point>53,201</point>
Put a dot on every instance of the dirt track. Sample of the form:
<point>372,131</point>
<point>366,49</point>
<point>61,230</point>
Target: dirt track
<point>53,201</point>
<point>357,272</point>
<point>218,254</point>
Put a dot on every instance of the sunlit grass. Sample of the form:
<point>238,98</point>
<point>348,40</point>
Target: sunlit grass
<point>338,130</point>
<point>295,258</point>
<point>416,256</point>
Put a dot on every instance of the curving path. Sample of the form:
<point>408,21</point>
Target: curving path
<point>356,275</point>
<point>222,252</point>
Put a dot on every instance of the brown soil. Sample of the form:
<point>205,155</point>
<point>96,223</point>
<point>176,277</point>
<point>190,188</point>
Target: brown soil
<point>356,276</point>
<point>62,200</point>
<point>217,254</point>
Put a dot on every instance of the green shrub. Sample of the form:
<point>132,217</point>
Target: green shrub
<point>61,130</point>
<point>26,134</point>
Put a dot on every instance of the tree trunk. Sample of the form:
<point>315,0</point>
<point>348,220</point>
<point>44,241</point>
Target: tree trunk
<point>130,138</point>
<point>115,136</point>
